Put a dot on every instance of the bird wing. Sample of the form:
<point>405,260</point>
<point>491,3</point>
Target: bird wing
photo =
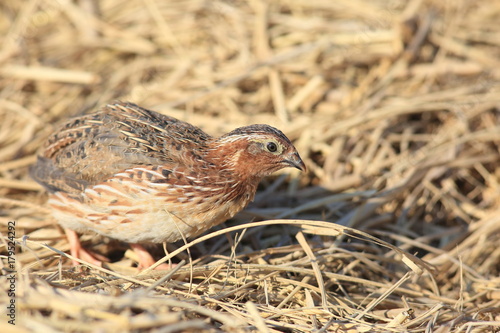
<point>90,149</point>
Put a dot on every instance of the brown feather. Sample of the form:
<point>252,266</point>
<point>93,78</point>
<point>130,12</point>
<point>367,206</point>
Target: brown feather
<point>139,176</point>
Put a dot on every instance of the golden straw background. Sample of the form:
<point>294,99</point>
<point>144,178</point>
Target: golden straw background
<point>394,106</point>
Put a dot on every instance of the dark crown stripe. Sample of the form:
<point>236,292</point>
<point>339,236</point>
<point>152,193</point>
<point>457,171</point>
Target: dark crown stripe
<point>258,129</point>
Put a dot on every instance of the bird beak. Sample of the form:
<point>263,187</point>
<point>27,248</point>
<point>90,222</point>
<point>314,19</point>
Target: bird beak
<point>295,161</point>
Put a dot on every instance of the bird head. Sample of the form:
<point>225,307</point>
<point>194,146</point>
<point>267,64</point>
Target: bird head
<point>258,151</point>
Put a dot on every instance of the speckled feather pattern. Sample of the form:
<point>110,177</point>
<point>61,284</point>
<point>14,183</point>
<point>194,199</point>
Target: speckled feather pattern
<point>140,176</point>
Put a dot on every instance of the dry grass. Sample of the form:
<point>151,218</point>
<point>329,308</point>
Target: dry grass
<point>394,106</point>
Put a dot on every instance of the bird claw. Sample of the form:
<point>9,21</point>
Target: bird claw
<point>146,260</point>
<point>79,252</point>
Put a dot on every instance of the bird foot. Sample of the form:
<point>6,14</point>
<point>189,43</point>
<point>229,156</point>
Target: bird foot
<point>145,258</point>
<point>79,252</point>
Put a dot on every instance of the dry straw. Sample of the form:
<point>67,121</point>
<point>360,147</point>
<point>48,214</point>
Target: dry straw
<point>393,105</point>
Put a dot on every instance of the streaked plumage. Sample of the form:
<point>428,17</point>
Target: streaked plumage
<point>141,177</point>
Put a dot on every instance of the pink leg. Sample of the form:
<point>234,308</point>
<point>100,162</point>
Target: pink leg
<point>145,258</point>
<point>79,252</point>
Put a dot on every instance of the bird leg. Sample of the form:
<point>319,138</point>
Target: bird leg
<point>145,258</point>
<point>79,252</point>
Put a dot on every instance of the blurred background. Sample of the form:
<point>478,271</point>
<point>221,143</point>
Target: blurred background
<point>393,105</point>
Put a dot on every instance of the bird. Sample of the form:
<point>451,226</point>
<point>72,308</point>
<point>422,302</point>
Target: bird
<point>142,177</point>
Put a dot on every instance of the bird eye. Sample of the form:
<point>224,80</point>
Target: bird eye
<point>272,147</point>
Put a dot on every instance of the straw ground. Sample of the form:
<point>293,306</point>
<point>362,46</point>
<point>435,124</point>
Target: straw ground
<point>393,105</point>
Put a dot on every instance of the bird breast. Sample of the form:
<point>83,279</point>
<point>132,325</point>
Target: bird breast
<point>153,205</point>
